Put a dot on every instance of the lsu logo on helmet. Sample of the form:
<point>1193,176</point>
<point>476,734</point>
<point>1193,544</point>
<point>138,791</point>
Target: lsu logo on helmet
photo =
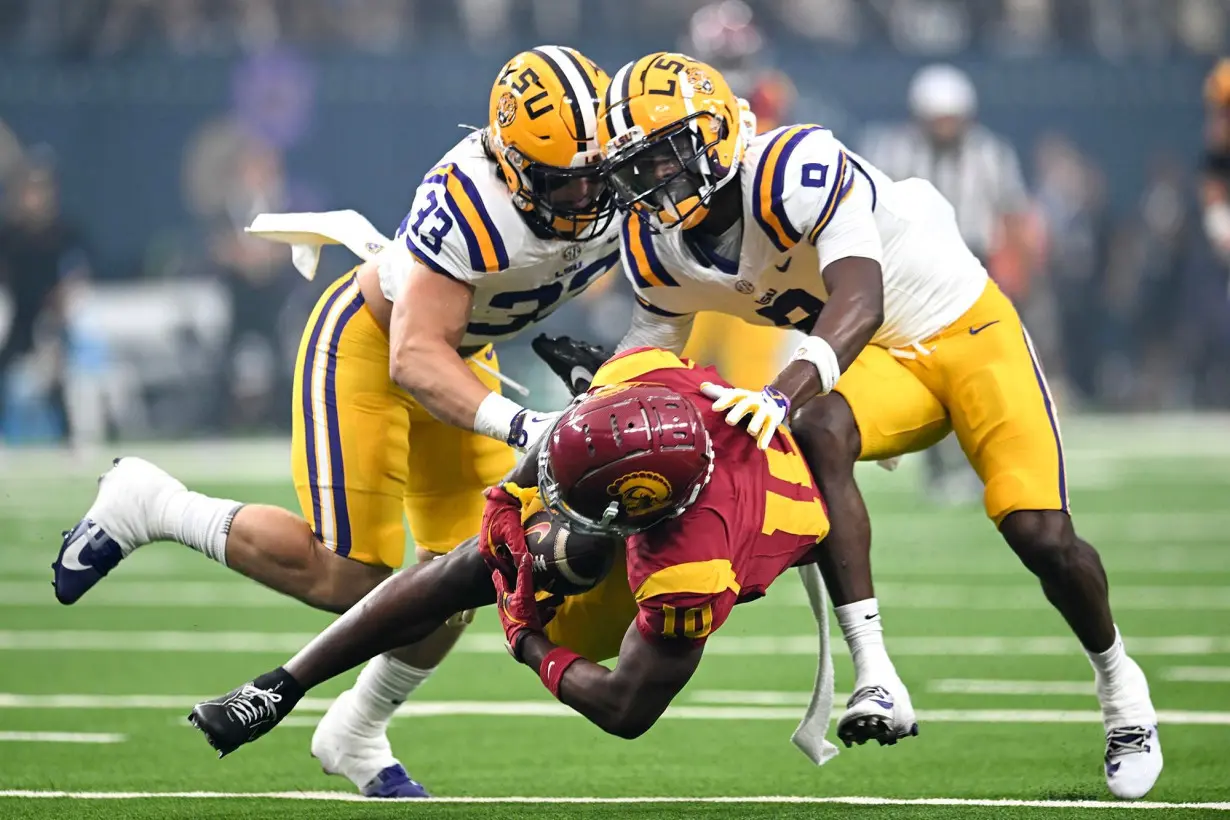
<point>699,80</point>
<point>506,109</point>
<point>641,492</point>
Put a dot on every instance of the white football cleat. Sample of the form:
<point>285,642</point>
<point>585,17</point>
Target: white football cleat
<point>124,516</point>
<point>350,746</point>
<point>878,713</point>
<point>1133,760</point>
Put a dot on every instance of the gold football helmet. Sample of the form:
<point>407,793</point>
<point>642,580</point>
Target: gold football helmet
<point>543,133</point>
<point>672,134</point>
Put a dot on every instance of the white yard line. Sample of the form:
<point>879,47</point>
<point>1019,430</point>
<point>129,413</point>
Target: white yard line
<point>964,686</point>
<point>493,643</point>
<point>1026,596</point>
<point>149,593</point>
<point>548,708</point>
<point>895,594</point>
<point>1197,674</point>
<point>351,797</point>
<point>60,737</point>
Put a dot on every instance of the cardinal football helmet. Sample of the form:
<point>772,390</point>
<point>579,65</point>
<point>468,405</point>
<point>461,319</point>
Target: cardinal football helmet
<point>623,458</point>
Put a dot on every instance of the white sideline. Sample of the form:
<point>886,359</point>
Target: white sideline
<point>350,797</point>
<point>60,737</point>
<point>493,643</point>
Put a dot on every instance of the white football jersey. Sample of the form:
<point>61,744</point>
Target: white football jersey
<point>809,201</point>
<point>463,224</point>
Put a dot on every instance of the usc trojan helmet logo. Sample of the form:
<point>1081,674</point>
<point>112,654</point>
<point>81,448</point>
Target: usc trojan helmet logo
<point>672,134</point>
<point>641,492</point>
<point>543,134</point>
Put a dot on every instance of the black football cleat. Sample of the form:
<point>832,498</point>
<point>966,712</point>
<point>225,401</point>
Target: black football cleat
<point>573,361</point>
<point>247,713</point>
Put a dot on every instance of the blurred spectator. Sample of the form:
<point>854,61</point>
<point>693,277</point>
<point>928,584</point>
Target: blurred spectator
<point>10,155</point>
<point>1216,183</point>
<point>980,174</point>
<point>1142,298</point>
<point>1071,203</point>
<point>725,35</point>
<point>40,252</point>
<point>931,27</point>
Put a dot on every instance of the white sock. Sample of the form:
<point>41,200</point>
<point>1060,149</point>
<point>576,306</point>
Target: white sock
<point>1106,665</point>
<point>382,686</point>
<point>1122,687</point>
<point>199,521</point>
<point>864,632</point>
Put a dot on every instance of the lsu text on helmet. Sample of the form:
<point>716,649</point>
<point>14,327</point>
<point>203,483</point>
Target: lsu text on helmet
<point>624,458</point>
<point>543,132</point>
<point>672,135</point>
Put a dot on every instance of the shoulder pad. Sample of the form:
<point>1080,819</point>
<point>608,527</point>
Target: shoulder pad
<point>453,228</point>
<point>801,176</point>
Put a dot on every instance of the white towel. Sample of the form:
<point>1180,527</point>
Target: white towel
<point>809,736</point>
<point>307,232</point>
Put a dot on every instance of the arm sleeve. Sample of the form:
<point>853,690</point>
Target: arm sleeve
<point>655,328</point>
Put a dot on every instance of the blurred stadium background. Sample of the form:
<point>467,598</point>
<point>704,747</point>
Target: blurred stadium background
<point>139,137</point>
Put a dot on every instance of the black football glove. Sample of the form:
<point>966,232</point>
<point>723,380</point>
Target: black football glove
<point>573,361</point>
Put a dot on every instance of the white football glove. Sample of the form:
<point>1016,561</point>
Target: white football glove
<point>528,426</point>
<point>768,408</point>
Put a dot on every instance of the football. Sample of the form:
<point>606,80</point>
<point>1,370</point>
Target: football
<point>566,562</point>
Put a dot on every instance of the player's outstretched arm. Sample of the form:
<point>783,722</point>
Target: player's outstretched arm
<point>627,700</point>
<point>851,317</point>
<point>849,246</point>
<point>428,324</point>
<point>404,609</point>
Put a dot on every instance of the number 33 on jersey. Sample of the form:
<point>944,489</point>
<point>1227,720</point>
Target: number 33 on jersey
<point>462,224</point>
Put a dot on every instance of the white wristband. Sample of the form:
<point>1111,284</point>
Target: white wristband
<point>820,353</point>
<point>495,416</point>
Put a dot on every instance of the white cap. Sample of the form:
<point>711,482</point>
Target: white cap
<point>942,90</point>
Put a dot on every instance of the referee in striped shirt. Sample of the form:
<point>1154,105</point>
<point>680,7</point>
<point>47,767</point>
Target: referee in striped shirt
<point>979,172</point>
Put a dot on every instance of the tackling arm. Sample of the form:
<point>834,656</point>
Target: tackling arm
<point>427,326</point>
<point>851,317</point>
<point>850,248</point>
<point>625,701</point>
<point>651,328</point>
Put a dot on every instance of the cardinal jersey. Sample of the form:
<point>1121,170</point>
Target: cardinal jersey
<point>759,515</point>
<point>806,201</point>
<point>463,224</point>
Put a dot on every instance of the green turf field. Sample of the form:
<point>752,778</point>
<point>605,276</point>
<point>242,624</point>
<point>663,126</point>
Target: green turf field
<point>93,698</point>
